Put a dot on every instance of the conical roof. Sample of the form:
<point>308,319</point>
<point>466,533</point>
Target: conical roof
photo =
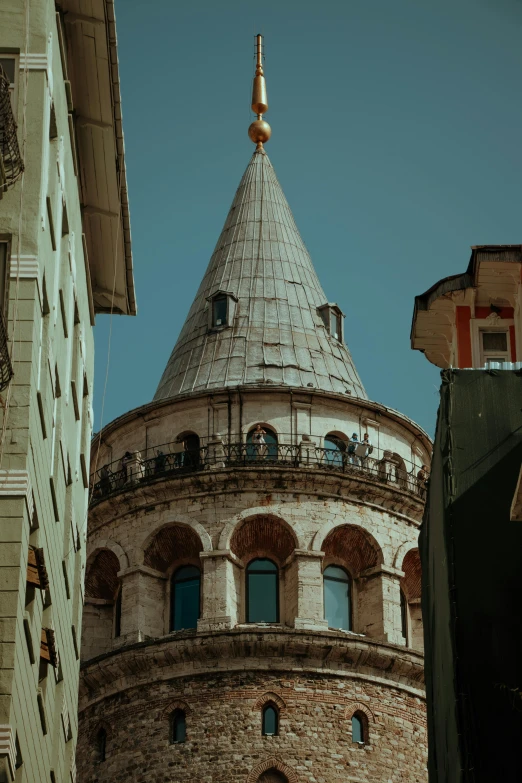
<point>276,335</point>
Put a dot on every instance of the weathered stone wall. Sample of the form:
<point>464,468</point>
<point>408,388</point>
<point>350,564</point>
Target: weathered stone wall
<point>224,743</point>
<point>302,517</point>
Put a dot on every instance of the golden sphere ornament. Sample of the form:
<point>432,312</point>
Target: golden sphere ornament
<point>259,131</point>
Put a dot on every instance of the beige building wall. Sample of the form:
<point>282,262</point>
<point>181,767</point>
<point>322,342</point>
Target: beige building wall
<point>46,413</point>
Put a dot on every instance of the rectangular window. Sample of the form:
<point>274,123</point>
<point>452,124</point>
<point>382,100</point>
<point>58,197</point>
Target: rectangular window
<point>9,64</point>
<point>494,346</point>
<point>335,324</point>
<point>219,313</point>
<point>4,260</point>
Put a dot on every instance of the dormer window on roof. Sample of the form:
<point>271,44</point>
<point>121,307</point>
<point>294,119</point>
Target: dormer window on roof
<point>332,317</point>
<point>222,309</point>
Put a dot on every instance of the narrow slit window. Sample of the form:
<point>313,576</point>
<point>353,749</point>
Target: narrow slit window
<point>101,742</point>
<point>358,729</point>
<point>178,727</point>
<point>270,721</point>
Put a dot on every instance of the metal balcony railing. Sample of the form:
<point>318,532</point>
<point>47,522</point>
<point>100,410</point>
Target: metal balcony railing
<point>11,164</point>
<point>383,466</point>
<point>6,368</point>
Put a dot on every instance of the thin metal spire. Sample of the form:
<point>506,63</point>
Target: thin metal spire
<point>259,131</point>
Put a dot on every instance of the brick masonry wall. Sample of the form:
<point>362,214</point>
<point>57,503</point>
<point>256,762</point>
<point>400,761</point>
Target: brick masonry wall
<point>224,741</point>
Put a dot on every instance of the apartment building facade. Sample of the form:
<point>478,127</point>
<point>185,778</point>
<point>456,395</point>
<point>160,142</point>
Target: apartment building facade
<point>65,256</point>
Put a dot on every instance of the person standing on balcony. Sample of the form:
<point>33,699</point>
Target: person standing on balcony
<point>258,440</point>
<point>352,445</point>
<point>365,449</point>
<point>124,464</point>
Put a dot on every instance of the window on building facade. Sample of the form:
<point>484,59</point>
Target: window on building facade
<point>270,723</point>
<point>333,320</point>
<point>335,449</point>
<point>220,311</point>
<point>178,727</point>
<point>337,598</point>
<point>336,324</point>
<point>101,744</point>
<point>9,65</point>
<point>261,443</point>
<point>4,256</point>
<point>358,728</point>
<point>494,346</point>
<point>117,615</point>
<point>262,592</point>
<point>404,617</point>
<point>185,598</point>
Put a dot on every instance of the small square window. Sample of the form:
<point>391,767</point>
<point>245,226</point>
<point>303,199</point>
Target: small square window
<point>494,346</point>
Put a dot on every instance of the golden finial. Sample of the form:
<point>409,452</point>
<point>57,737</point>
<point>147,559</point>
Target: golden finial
<point>260,130</point>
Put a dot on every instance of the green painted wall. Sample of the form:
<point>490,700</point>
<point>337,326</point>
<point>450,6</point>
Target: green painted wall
<point>53,349</point>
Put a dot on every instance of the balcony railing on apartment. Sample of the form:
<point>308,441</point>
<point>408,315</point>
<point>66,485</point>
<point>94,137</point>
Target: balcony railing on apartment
<point>382,465</point>
<point>11,164</point>
<point>6,368</point>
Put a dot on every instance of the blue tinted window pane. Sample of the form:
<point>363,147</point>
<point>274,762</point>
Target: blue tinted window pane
<point>269,449</point>
<point>179,728</point>
<point>336,448</point>
<point>262,565</point>
<point>269,720</point>
<point>186,572</point>
<point>262,598</point>
<point>357,729</point>
<point>337,604</point>
<point>185,604</point>
<point>335,572</point>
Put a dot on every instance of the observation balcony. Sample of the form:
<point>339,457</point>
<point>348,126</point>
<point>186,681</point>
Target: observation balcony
<point>134,469</point>
<point>11,164</point>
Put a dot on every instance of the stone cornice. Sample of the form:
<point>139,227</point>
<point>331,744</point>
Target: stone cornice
<point>189,654</point>
<point>347,487</point>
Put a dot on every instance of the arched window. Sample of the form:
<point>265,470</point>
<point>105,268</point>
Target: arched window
<point>184,598</point>
<point>270,721</point>
<point>335,448</point>
<point>263,447</point>
<point>272,776</point>
<point>358,728</point>
<point>191,449</point>
<point>101,744</point>
<point>117,615</point>
<point>337,598</point>
<point>262,592</point>
<point>404,617</point>
<point>178,727</point>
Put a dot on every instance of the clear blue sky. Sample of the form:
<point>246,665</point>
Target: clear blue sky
<point>396,136</point>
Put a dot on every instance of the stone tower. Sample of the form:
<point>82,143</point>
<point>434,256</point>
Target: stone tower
<point>252,609</point>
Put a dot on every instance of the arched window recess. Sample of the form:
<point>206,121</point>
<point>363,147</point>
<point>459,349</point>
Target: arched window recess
<point>337,598</point>
<point>332,317</point>
<point>359,728</point>
<point>270,720</point>
<point>262,591</point>
<point>222,309</point>
<point>185,587</point>
<point>261,443</point>
<point>178,727</point>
